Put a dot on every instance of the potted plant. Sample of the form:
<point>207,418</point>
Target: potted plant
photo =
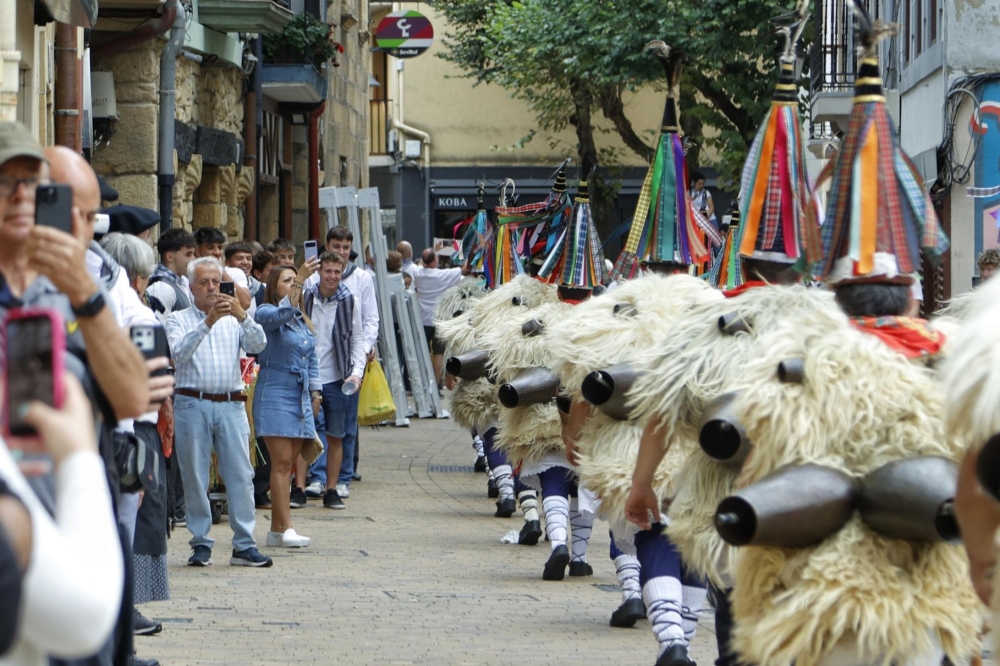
<point>304,38</point>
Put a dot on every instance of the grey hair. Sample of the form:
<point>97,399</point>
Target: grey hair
<point>132,254</point>
<point>204,261</point>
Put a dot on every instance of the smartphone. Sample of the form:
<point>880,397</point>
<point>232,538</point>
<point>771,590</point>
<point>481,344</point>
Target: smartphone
<point>54,207</point>
<point>228,288</point>
<point>34,344</point>
<point>151,341</point>
<point>310,250</point>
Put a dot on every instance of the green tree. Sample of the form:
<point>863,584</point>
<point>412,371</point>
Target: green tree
<point>572,60</point>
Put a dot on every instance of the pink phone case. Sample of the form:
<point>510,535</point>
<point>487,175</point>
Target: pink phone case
<point>58,351</point>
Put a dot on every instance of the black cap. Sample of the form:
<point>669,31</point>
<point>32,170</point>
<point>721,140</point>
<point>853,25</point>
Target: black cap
<point>108,193</point>
<point>131,220</point>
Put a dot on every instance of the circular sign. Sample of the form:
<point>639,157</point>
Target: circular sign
<point>404,34</point>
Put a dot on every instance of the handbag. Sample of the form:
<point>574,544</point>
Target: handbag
<point>375,403</point>
<point>135,463</point>
<point>311,450</point>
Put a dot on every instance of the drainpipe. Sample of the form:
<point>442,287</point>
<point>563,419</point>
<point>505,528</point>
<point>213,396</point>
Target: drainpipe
<point>168,92</point>
<point>67,120</point>
<point>425,138</point>
<point>314,183</point>
<point>250,148</point>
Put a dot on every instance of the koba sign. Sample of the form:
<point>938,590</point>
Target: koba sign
<point>452,202</point>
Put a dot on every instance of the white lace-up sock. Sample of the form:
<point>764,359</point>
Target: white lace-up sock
<point>663,597</point>
<point>556,519</point>
<point>693,602</point>
<point>477,444</point>
<point>582,526</point>
<point>528,500</point>
<point>627,571</point>
<point>504,477</point>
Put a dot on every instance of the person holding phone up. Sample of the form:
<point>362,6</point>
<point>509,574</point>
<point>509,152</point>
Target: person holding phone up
<point>209,413</point>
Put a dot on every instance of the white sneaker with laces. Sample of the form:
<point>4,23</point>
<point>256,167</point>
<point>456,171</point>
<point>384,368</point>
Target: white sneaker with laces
<point>287,539</point>
<point>314,490</point>
<point>343,490</point>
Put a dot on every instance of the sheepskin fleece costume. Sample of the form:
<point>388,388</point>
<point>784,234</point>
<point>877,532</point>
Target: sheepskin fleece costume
<point>593,337</point>
<point>459,298</point>
<point>474,404</point>
<point>527,433</point>
<point>688,369</point>
<point>971,380</point>
<point>860,406</point>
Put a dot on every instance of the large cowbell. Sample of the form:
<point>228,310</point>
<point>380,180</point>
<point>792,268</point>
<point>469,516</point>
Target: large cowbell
<point>988,467</point>
<point>608,389</point>
<point>912,499</point>
<point>794,507</point>
<point>468,366</point>
<point>531,387</point>
<point>720,433</point>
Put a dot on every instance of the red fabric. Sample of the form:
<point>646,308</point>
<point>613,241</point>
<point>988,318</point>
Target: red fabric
<point>913,338</point>
<point>745,287</point>
<point>165,426</point>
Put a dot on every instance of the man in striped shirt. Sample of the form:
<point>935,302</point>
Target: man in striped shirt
<point>209,411</point>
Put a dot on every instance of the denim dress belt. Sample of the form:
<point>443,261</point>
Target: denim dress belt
<point>303,375</point>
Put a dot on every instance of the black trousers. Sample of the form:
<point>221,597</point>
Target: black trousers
<point>724,627</point>
<point>262,472</point>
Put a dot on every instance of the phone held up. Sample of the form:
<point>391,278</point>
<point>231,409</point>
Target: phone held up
<point>151,341</point>
<point>34,346</point>
<point>227,288</point>
<point>54,207</point>
<point>310,250</point>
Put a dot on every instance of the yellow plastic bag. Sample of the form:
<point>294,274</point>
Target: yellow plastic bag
<point>375,399</point>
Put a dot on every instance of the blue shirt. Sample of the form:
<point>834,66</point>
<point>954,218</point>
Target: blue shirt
<point>291,346</point>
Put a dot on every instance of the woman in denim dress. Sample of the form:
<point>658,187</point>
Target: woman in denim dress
<point>288,390</point>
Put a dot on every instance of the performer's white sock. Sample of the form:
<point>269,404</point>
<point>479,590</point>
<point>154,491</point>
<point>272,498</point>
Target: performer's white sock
<point>627,570</point>
<point>528,499</point>
<point>663,597</point>
<point>694,601</point>
<point>556,519</point>
<point>477,444</point>
<point>582,526</point>
<point>504,477</point>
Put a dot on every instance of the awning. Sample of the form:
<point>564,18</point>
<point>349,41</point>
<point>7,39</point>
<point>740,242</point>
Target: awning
<point>82,13</point>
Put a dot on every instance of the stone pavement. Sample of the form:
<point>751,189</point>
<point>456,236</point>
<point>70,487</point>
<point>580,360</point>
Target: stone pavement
<point>413,572</point>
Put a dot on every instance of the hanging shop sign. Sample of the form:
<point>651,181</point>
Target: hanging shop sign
<point>404,34</point>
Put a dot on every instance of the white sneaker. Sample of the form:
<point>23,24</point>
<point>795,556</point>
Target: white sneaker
<point>287,539</point>
<point>343,490</point>
<point>314,490</point>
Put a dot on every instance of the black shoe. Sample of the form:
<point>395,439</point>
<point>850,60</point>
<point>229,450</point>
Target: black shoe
<point>555,568</point>
<point>506,508</point>
<point>676,655</point>
<point>297,498</point>
<point>480,465</point>
<point>628,613</point>
<point>201,557</point>
<point>144,626</point>
<point>262,501</point>
<point>251,557</point>
<point>136,661</point>
<point>580,569</point>
<point>491,489</point>
<point>331,500</point>
<point>180,518</point>
<point>530,533</point>
<point>355,477</point>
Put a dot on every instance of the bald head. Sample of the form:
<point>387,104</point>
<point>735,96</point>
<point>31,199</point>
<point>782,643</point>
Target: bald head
<point>68,167</point>
<point>405,249</point>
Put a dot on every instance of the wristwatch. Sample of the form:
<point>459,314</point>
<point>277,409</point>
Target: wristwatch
<point>91,307</point>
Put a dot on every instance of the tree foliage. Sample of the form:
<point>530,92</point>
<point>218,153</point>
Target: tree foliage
<point>573,59</point>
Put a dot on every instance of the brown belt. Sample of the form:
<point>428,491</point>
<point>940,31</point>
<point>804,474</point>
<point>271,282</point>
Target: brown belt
<point>235,396</point>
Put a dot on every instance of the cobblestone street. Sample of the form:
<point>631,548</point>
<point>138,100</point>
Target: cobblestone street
<point>413,572</point>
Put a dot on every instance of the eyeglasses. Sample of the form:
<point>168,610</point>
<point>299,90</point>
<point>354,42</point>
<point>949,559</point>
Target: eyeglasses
<point>8,185</point>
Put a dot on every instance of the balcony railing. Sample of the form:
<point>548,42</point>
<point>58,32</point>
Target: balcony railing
<point>379,123</point>
<point>833,55</point>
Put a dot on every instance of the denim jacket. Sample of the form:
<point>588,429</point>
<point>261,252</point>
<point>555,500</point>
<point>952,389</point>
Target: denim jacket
<point>291,346</point>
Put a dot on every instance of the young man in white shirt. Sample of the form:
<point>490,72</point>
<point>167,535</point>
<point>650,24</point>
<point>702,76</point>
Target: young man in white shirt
<point>341,349</point>
<point>239,263</point>
<point>168,286</point>
<point>359,282</point>
<point>430,283</point>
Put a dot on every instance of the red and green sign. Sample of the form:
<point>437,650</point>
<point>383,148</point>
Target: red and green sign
<point>404,34</point>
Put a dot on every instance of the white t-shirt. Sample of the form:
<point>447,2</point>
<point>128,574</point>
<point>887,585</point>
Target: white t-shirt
<point>240,278</point>
<point>166,295</point>
<point>429,284</point>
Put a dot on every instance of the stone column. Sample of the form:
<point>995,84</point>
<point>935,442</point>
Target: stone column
<point>10,56</point>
